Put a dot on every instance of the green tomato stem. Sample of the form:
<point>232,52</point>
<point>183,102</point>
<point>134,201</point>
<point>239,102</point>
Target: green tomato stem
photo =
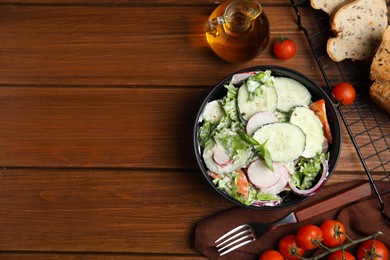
<point>343,247</point>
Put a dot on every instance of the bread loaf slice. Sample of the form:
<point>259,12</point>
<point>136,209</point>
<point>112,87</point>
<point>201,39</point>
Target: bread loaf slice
<point>358,27</point>
<point>380,94</point>
<point>380,72</point>
<point>380,66</point>
<point>328,6</point>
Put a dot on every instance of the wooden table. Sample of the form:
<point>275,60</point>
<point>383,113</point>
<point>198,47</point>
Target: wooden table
<point>97,103</point>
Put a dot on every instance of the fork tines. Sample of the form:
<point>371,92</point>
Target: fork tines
<point>234,239</point>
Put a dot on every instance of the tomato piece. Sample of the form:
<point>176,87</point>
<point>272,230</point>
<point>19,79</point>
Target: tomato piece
<point>271,254</point>
<point>344,93</point>
<point>214,175</point>
<point>309,237</point>
<point>242,183</point>
<point>320,110</point>
<point>372,250</point>
<point>284,49</point>
<point>333,233</point>
<point>289,248</point>
<point>338,255</point>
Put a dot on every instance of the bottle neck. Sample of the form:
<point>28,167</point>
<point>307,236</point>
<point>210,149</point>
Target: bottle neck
<point>239,15</point>
<point>238,22</point>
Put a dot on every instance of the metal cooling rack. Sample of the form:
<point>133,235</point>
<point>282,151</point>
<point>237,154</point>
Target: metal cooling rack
<point>367,125</point>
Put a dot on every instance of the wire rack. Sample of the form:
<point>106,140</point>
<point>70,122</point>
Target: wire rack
<point>367,125</point>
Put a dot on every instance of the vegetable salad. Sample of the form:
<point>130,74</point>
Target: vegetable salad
<point>265,138</point>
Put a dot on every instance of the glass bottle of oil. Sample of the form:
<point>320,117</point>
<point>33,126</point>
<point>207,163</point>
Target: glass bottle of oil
<point>238,30</point>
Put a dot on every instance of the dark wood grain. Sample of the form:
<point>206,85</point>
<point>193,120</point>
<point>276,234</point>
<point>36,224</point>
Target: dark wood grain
<point>98,256</point>
<point>105,127</point>
<point>97,103</point>
<point>82,210</point>
<point>150,3</point>
<point>100,45</point>
<point>338,200</point>
<point>98,127</point>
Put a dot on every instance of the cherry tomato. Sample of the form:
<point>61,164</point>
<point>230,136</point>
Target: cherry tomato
<point>284,49</point>
<point>344,92</point>
<point>288,247</point>
<point>372,250</point>
<point>320,110</point>
<point>271,254</point>
<point>309,237</point>
<point>333,233</point>
<point>338,255</point>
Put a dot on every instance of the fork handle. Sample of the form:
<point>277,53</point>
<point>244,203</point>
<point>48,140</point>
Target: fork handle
<point>340,199</point>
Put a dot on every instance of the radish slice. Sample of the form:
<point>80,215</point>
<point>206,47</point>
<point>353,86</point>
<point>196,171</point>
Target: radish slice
<point>220,157</point>
<point>261,176</point>
<point>285,168</point>
<point>283,181</point>
<point>258,120</point>
<point>240,77</point>
<point>315,188</point>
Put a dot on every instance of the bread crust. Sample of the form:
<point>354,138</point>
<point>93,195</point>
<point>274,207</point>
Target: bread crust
<point>380,72</point>
<point>358,27</point>
<point>380,94</point>
<point>328,6</point>
<point>380,66</point>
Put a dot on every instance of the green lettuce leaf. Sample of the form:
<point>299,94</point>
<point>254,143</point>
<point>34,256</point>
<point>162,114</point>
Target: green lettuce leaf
<point>307,170</point>
<point>229,102</point>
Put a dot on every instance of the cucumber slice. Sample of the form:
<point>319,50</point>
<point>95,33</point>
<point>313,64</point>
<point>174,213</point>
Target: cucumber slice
<point>213,112</point>
<point>311,125</point>
<point>247,108</point>
<point>285,141</point>
<point>290,93</point>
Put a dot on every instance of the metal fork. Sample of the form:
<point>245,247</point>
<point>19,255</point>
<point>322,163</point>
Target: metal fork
<point>250,232</point>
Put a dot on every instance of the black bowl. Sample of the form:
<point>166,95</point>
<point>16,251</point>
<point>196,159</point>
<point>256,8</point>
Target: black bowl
<point>289,198</point>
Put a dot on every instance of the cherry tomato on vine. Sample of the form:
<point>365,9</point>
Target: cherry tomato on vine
<point>344,93</point>
<point>333,232</point>
<point>289,248</point>
<point>372,250</point>
<point>284,49</point>
<point>338,255</point>
<point>309,237</point>
<point>271,254</point>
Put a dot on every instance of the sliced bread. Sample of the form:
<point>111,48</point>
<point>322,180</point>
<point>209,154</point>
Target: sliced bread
<point>380,94</point>
<point>380,66</point>
<point>380,72</point>
<point>328,6</point>
<point>358,27</point>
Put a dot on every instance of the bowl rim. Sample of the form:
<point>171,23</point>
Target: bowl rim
<point>284,72</point>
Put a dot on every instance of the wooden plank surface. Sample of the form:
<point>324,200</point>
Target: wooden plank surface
<point>149,3</point>
<point>81,210</point>
<point>98,127</point>
<point>72,210</point>
<point>97,256</point>
<point>97,103</point>
<point>105,127</point>
<point>95,45</point>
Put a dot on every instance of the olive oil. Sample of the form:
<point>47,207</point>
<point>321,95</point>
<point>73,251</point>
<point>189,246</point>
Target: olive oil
<point>241,36</point>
